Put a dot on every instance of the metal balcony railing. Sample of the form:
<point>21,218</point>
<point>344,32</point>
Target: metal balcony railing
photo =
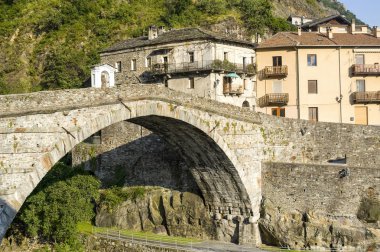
<point>274,99</point>
<point>205,65</point>
<point>366,97</point>
<point>275,71</point>
<point>232,89</point>
<point>360,70</point>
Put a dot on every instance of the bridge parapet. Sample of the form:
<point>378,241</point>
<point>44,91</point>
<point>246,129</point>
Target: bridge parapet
<point>61,100</point>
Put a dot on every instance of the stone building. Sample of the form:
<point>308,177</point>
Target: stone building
<point>299,20</point>
<point>321,76</point>
<point>337,23</point>
<point>190,60</point>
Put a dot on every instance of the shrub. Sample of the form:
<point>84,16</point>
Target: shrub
<point>52,211</point>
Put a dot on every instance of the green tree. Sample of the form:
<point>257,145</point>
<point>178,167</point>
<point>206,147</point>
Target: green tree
<point>64,198</point>
<point>257,15</point>
<point>212,7</point>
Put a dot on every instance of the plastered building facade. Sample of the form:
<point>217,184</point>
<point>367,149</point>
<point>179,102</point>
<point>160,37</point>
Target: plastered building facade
<point>190,60</point>
<point>331,77</point>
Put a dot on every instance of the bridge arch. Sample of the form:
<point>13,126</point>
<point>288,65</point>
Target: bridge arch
<point>216,168</point>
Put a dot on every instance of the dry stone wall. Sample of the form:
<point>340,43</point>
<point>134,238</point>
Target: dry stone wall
<point>318,206</point>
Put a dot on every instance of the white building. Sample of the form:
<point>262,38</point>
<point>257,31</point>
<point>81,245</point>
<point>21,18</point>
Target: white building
<point>190,60</point>
<point>103,76</point>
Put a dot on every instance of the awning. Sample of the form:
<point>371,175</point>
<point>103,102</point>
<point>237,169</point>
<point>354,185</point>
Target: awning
<point>232,75</point>
<point>363,50</point>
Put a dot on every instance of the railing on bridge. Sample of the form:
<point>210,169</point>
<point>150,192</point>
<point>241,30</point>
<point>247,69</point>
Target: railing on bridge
<point>204,65</point>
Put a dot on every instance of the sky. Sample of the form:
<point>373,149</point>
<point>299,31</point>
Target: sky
<point>366,10</point>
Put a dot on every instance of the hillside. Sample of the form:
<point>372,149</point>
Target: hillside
<point>49,44</point>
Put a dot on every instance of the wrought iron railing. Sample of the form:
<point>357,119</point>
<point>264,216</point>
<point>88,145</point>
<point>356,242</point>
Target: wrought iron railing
<point>233,89</point>
<point>366,97</point>
<point>373,69</point>
<point>275,71</point>
<point>274,99</point>
<point>217,65</point>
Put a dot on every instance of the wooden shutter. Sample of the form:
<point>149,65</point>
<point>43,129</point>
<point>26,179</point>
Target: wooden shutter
<point>277,86</point>
<point>312,87</point>
<point>361,115</point>
<point>313,114</point>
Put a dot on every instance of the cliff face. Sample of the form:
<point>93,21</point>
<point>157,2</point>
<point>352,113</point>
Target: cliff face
<point>313,9</point>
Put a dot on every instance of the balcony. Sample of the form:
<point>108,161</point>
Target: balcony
<point>231,89</point>
<point>366,70</point>
<point>275,99</point>
<point>275,71</point>
<point>366,97</point>
<point>207,65</point>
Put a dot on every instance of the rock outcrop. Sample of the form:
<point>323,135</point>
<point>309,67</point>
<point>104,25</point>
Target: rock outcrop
<point>162,211</point>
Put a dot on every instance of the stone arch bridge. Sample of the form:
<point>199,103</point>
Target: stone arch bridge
<point>226,145</point>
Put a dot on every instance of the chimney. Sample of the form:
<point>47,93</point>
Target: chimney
<point>376,32</point>
<point>329,33</point>
<point>299,30</point>
<point>161,30</point>
<point>153,33</point>
<point>353,26</point>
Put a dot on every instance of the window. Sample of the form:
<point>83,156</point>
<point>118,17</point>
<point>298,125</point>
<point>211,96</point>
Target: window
<point>360,85</point>
<point>311,59</point>
<point>133,65</point>
<point>277,60</point>
<point>118,66</point>
<point>359,59</point>
<point>313,114</point>
<point>279,112</point>
<point>277,86</point>
<point>225,56</point>
<point>246,84</point>
<point>148,62</point>
<point>191,57</point>
<point>244,62</point>
<point>191,83</point>
<point>165,60</point>
<point>313,87</point>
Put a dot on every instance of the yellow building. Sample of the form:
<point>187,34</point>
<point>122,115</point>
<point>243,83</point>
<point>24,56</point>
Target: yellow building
<point>331,77</point>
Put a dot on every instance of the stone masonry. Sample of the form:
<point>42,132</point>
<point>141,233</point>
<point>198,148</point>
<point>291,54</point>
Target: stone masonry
<point>224,145</point>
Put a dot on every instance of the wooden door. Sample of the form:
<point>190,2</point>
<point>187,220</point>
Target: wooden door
<point>361,115</point>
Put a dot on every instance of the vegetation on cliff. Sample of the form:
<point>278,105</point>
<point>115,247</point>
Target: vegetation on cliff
<point>52,44</point>
<point>65,197</point>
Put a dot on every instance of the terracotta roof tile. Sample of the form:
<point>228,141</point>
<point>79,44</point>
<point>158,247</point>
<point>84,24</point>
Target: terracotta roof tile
<point>291,39</point>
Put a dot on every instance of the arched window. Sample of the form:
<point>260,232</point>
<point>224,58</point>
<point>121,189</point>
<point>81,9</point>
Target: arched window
<point>245,104</point>
<point>105,78</point>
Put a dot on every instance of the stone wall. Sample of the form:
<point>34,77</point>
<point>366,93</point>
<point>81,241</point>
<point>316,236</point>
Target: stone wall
<point>319,187</point>
<point>130,155</point>
<point>225,145</point>
<point>320,205</point>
